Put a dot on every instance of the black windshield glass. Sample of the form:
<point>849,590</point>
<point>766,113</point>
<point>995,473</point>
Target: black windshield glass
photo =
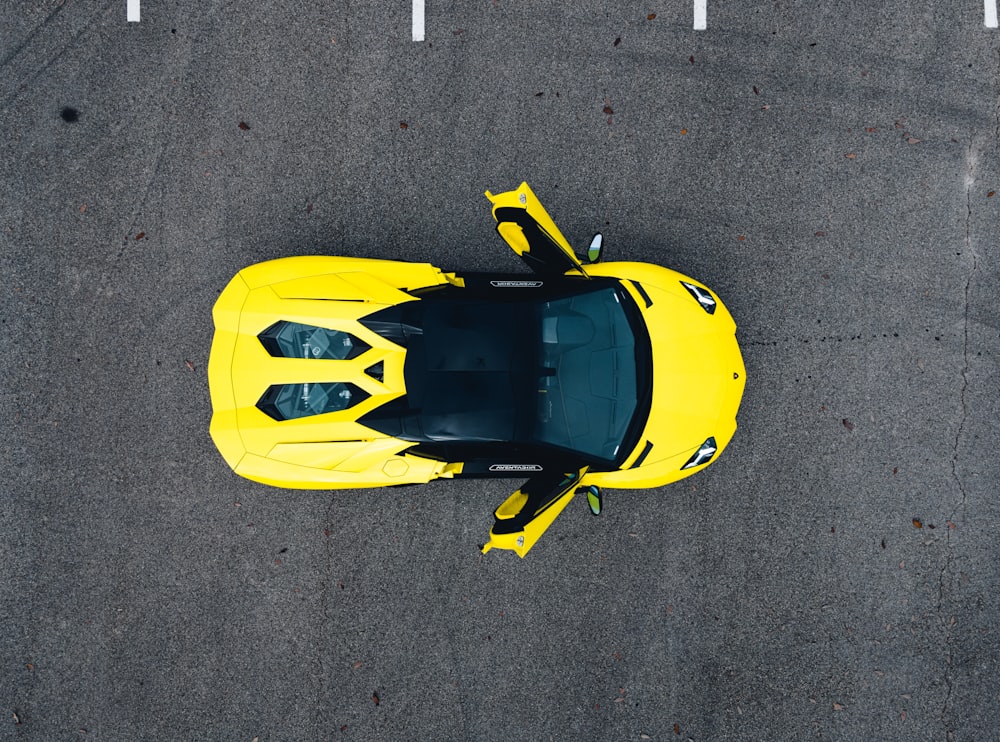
<point>586,394</point>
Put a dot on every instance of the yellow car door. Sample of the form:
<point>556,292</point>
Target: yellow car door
<point>525,225</point>
<point>524,516</point>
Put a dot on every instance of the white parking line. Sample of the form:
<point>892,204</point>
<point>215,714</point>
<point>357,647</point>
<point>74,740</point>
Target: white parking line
<point>133,11</point>
<point>418,20</point>
<point>700,15</point>
<point>991,13</point>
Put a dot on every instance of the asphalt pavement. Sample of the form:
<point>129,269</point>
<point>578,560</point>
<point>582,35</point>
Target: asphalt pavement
<point>831,170</point>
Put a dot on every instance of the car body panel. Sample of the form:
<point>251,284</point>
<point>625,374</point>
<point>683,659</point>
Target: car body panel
<point>322,451</point>
<point>696,377</point>
<point>528,513</point>
<point>697,367</point>
<point>527,228</point>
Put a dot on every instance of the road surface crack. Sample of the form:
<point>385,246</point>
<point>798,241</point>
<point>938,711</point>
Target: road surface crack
<point>947,622</point>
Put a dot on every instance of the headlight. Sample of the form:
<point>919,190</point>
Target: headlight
<point>703,455</point>
<point>702,296</point>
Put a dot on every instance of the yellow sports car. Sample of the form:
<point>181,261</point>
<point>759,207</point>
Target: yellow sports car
<point>330,372</point>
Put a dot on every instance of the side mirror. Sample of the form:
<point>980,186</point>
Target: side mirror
<point>594,251</point>
<point>595,499</point>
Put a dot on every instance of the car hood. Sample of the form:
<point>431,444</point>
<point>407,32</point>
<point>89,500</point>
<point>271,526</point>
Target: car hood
<point>698,374</point>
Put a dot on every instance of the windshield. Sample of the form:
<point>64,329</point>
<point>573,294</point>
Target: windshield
<point>587,393</point>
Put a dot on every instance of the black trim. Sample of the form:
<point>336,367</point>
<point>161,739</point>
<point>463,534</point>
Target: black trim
<point>503,460</point>
<point>642,293</point>
<point>644,376</point>
<point>643,455</point>
<point>395,323</point>
<point>543,492</point>
<point>512,288</point>
<point>377,371</point>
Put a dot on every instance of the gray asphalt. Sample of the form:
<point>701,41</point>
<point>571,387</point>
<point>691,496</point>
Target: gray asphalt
<point>830,171</point>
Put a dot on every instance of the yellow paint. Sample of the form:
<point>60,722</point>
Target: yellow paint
<point>320,451</point>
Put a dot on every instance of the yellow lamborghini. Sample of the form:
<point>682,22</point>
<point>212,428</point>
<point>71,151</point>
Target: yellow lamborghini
<point>331,372</point>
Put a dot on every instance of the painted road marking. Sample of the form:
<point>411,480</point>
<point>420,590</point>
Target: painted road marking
<point>133,11</point>
<point>991,13</point>
<point>700,15</point>
<point>418,20</point>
